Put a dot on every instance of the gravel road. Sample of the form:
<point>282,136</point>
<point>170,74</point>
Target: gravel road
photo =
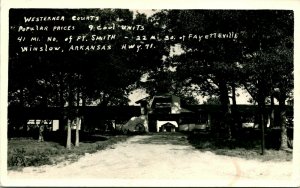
<point>169,160</point>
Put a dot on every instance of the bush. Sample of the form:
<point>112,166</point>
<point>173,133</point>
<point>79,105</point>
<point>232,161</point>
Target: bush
<point>20,158</point>
<point>17,158</point>
<point>38,159</point>
<point>100,147</point>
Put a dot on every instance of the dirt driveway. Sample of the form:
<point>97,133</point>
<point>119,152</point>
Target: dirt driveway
<point>164,157</point>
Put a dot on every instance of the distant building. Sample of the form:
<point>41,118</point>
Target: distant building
<point>165,113</point>
<point>160,113</point>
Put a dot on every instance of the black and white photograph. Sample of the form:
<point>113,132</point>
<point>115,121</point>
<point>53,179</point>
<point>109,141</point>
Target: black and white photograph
<point>149,97</point>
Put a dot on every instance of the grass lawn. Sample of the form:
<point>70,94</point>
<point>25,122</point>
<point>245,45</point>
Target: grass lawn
<point>243,147</point>
<point>24,152</point>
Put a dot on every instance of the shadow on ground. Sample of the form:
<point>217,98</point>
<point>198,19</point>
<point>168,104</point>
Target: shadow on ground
<point>61,136</point>
<point>174,138</point>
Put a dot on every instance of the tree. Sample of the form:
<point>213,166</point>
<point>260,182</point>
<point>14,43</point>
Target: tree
<point>268,59</point>
<point>218,67</point>
<point>213,101</point>
<point>64,79</point>
<point>208,66</point>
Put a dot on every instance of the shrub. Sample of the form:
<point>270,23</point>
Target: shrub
<point>20,158</point>
<point>17,158</point>
<point>100,147</point>
<point>38,159</point>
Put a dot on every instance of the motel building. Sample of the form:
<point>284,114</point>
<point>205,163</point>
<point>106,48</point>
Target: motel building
<point>166,114</point>
<point>160,113</point>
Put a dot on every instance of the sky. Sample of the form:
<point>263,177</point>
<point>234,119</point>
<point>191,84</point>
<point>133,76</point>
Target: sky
<point>148,12</point>
<point>242,98</point>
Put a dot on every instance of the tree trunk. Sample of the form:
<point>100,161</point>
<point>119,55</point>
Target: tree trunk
<point>262,131</point>
<point>83,124</point>
<point>23,120</point>
<point>62,119</point>
<point>233,95</point>
<point>272,111</point>
<point>78,123</point>
<point>235,118</point>
<point>226,108</point>
<point>68,134</point>
<point>282,122</point>
<point>70,114</point>
<point>41,131</point>
<point>261,107</point>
